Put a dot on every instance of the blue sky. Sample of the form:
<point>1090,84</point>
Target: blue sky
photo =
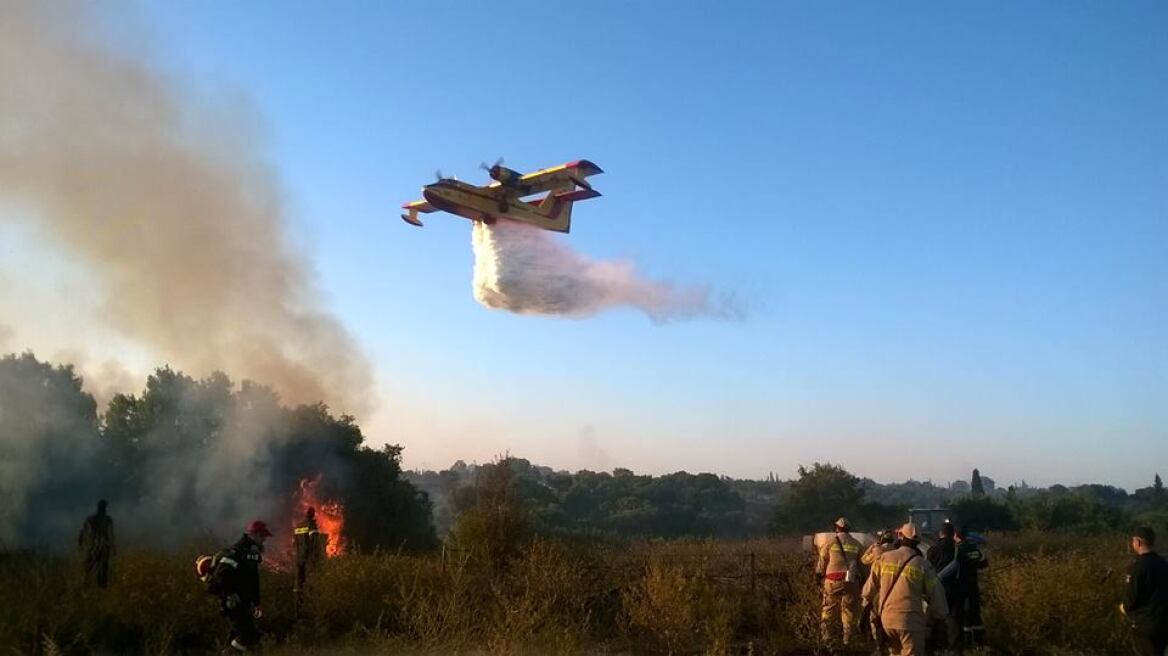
<point>948,223</point>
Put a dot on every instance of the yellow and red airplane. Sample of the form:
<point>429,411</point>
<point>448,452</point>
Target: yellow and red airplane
<point>504,196</point>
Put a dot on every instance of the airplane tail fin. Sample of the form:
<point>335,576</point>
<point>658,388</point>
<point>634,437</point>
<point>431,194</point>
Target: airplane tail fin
<point>558,208</point>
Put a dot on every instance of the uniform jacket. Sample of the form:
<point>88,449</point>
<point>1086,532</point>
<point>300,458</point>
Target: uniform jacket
<point>874,553</point>
<point>1146,598</point>
<point>837,556</point>
<point>305,536</point>
<point>902,606</point>
<point>943,553</point>
<point>969,559</point>
<point>239,570</point>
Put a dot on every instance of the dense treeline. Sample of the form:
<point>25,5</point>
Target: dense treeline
<point>621,504</point>
<point>187,458</point>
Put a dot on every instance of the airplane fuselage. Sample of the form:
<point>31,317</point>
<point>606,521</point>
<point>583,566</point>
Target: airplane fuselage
<point>504,198</point>
<point>488,204</point>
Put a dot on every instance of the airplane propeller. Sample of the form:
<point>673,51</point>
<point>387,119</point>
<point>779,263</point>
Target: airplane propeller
<point>483,165</point>
<point>438,175</point>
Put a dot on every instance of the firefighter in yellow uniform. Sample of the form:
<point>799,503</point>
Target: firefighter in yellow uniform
<point>885,542</point>
<point>901,584</point>
<point>838,569</point>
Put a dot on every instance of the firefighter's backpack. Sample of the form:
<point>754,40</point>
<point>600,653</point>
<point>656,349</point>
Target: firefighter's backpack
<point>208,570</point>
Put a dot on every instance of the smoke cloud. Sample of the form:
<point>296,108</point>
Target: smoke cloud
<point>169,206</point>
<point>522,269</point>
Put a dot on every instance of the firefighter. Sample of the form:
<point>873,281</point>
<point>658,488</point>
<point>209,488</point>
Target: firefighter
<point>940,556</point>
<point>237,574</point>
<point>96,542</point>
<point>837,570</point>
<point>885,542</point>
<point>1145,602</point>
<point>305,538</point>
<point>964,593</point>
<point>896,592</point>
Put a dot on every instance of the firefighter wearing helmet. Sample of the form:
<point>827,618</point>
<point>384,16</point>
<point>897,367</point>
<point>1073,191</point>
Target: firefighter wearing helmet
<point>234,575</point>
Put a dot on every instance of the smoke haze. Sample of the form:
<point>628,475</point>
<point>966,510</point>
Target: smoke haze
<point>523,269</point>
<point>181,227</point>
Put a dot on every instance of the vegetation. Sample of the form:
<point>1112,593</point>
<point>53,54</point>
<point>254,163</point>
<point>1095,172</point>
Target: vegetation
<point>185,458</point>
<point>533,561</point>
<point>647,597</point>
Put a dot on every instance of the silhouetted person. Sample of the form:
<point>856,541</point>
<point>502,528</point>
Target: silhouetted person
<point>940,556</point>
<point>305,539</point>
<point>96,542</point>
<point>1145,602</point>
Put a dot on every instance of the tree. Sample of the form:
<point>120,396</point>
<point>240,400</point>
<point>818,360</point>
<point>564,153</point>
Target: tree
<point>381,509</point>
<point>497,526</point>
<point>976,485</point>
<point>186,458</point>
<point>983,514</point>
<point>821,494</point>
<point>50,457</point>
<point>1158,486</point>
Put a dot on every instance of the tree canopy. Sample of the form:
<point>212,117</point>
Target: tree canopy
<point>187,457</point>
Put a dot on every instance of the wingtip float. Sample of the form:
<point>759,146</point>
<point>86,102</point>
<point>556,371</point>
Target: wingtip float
<point>543,198</point>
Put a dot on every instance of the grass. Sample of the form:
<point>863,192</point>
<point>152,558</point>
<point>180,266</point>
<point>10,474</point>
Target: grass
<point>679,597</point>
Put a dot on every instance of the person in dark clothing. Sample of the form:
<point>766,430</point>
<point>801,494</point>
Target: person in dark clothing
<point>305,539</point>
<point>96,542</point>
<point>238,576</point>
<point>965,606</point>
<point>940,556</point>
<point>1145,602</point>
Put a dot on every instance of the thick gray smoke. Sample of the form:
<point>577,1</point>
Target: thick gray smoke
<point>181,225</point>
<point>524,270</point>
<point>183,460</point>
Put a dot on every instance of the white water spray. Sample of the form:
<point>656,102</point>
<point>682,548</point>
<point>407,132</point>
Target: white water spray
<point>523,269</point>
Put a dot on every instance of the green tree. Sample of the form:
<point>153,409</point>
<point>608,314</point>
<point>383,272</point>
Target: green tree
<point>497,526</point>
<point>976,486</point>
<point>820,495</point>
<point>983,514</point>
<point>49,453</point>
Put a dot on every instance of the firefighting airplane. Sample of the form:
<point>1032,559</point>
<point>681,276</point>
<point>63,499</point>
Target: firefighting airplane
<point>504,196</point>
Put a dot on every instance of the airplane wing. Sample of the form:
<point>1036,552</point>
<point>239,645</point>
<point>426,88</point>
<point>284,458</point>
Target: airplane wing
<point>557,177</point>
<point>420,206</point>
<point>412,209</point>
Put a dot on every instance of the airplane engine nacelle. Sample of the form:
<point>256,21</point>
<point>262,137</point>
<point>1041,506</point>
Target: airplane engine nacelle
<point>504,175</point>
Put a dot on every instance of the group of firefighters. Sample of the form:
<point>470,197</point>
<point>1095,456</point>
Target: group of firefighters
<point>901,594</point>
<point>891,587</point>
<point>232,575</point>
<point>894,589</point>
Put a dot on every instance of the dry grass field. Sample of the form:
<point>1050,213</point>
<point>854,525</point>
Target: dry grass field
<point>1043,595</point>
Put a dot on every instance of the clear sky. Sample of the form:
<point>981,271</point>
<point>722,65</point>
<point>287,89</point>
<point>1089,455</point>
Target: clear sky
<point>949,223</point>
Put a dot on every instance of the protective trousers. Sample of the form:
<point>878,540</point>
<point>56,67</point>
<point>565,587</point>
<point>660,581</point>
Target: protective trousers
<point>244,634</point>
<point>906,643</point>
<point>841,599</point>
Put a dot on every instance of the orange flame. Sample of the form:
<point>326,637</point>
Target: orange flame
<point>330,515</point>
